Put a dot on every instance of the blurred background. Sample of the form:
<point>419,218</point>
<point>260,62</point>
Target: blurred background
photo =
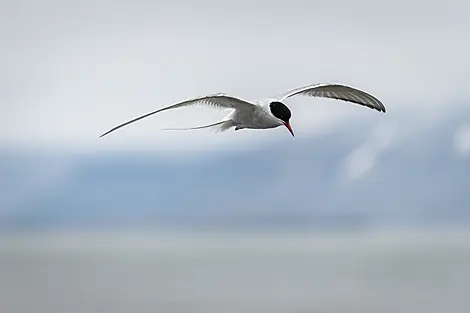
<point>360,212</point>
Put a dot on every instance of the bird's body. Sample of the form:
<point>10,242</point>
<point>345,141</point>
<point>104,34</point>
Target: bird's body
<point>259,117</point>
<point>267,113</point>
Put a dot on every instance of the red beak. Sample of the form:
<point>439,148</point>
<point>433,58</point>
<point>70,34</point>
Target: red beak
<point>289,128</point>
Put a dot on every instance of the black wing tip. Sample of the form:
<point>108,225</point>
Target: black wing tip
<point>102,135</point>
<point>117,127</point>
<point>382,108</point>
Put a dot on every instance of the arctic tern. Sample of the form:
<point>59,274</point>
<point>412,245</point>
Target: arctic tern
<point>270,113</point>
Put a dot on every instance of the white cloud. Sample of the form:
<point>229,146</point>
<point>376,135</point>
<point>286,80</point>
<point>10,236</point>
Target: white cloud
<point>462,140</point>
<point>363,159</point>
<point>360,162</point>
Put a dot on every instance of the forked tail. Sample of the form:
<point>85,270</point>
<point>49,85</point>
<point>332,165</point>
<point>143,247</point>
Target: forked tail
<point>219,126</point>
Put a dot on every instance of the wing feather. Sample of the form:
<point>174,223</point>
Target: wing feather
<point>339,92</point>
<point>220,100</point>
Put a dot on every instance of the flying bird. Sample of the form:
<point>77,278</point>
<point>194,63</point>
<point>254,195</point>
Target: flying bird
<point>268,113</point>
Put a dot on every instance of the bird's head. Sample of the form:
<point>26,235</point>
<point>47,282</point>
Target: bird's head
<point>282,112</point>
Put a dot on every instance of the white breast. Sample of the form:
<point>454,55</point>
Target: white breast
<point>259,118</point>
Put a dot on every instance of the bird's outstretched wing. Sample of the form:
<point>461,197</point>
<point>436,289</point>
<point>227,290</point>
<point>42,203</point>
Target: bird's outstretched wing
<point>220,100</point>
<point>339,92</point>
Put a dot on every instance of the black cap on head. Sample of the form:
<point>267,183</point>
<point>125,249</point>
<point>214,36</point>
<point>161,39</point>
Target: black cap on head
<point>279,110</point>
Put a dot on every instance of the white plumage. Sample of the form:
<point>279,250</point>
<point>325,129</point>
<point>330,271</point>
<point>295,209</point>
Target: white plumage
<point>267,114</point>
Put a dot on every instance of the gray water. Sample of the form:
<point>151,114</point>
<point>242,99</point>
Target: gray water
<point>234,273</point>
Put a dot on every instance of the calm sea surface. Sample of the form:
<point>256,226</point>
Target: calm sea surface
<point>234,273</point>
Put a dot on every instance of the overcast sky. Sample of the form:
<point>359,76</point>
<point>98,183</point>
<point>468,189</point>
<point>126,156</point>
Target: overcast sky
<point>72,70</point>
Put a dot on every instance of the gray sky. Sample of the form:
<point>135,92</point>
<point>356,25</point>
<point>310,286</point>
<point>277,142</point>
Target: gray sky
<point>72,70</point>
